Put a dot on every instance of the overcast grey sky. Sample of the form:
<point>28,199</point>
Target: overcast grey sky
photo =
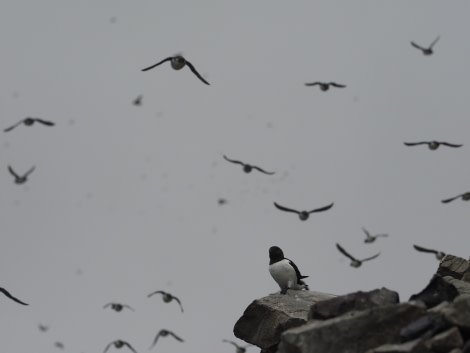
<point>127,196</point>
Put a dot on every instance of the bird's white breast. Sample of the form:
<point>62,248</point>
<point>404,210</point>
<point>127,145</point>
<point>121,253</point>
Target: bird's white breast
<point>284,274</point>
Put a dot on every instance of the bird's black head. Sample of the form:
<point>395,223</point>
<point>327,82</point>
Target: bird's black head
<point>275,254</point>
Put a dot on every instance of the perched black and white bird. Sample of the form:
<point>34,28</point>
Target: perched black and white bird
<point>354,262</point>
<point>29,122</point>
<point>433,145</point>
<point>177,63</point>
<point>284,271</point>
<point>7,293</point>
<point>238,348</point>
<point>247,167</point>
<point>117,306</point>
<point>119,344</point>
<point>165,333</point>
<point>21,179</point>
<point>465,197</point>
<point>371,238</point>
<point>303,215</point>
<point>325,86</point>
<point>167,297</point>
<point>439,254</point>
<point>138,100</point>
<point>428,50</point>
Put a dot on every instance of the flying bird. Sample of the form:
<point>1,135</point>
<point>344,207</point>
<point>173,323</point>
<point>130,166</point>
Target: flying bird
<point>117,306</point>
<point>138,100</point>
<point>371,238</point>
<point>7,293</point>
<point>29,122</point>
<point>433,145</point>
<point>238,349</point>
<point>428,50</point>
<point>59,345</point>
<point>119,344</point>
<point>165,333</point>
<point>43,328</point>
<point>284,271</point>
<point>167,297</point>
<point>247,167</point>
<point>177,63</point>
<point>303,215</point>
<point>439,254</point>
<point>325,86</point>
<point>21,179</point>
<point>354,262</point>
<point>465,197</point>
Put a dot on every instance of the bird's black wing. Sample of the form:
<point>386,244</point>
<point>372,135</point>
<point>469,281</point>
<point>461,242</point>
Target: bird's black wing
<point>233,161</point>
<point>130,347</point>
<point>344,252</point>
<point>415,143</point>
<point>309,84</point>
<point>12,172</point>
<point>450,144</point>
<point>420,248</point>
<point>156,292</point>
<point>29,171</point>
<point>155,65</point>
<point>334,84</point>
<point>262,170</point>
<point>191,67</point>
<point>176,337</point>
<point>107,347</point>
<point>282,208</point>
<point>370,258</point>
<point>434,42</point>
<point>322,208</point>
<point>13,126</point>
<point>299,276</point>
<point>179,302</point>
<point>155,339</point>
<point>45,122</point>
<point>417,46</point>
<point>7,293</point>
<point>451,199</point>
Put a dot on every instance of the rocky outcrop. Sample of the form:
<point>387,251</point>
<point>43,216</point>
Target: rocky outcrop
<point>437,319</point>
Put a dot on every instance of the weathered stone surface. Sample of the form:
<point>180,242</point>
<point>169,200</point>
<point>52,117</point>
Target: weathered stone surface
<point>425,327</point>
<point>265,319</point>
<point>330,308</point>
<point>445,341</point>
<point>454,266</point>
<point>437,291</point>
<point>462,287</point>
<point>416,346</point>
<point>359,331</point>
<point>457,313</point>
<point>466,347</point>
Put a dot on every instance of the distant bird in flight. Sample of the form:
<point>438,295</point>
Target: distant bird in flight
<point>59,345</point>
<point>7,293</point>
<point>238,349</point>
<point>248,167</point>
<point>29,122</point>
<point>221,201</point>
<point>428,50</point>
<point>465,197</point>
<point>119,344</point>
<point>325,86</point>
<point>303,215</point>
<point>165,333</point>
<point>371,238</point>
<point>117,306</point>
<point>433,145</point>
<point>439,254</point>
<point>177,63</point>
<point>354,262</point>
<point>138,100</point>
<point>23,178</point>
<point>167,297</point>
<point>43,328</point>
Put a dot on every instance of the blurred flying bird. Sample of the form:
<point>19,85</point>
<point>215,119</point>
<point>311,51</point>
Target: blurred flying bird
<point>23,178</point>
<point>43,328</point>
<point>325,86</point>
<point>177,63</point>
<point>119,344</point>
<point>428,50</point>
<point>29,122</point>
<point>433,145</point>
<point>238,349</point>
<point>371,238</point>
<point>465,197</point>
<point>117,306</point>
<point>167,297</point>
<point>439,254</point>
<point>138,100</point>
<point>165,333</point>
<point>303,215</point>
<point>247,167</point>
<point>354,262</point>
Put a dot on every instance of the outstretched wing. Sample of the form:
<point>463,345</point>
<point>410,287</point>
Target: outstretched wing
<point>344,252</point>
<point>155,339</point>
<point>417,46</point>
<point>322,208</point>
<point>176,337</point>
<point>13,126</point>
<point>130,347</point>
<point>451,199</point>
<point>434,42</point>
<point>450,144</point>
<point>179,302</point>
<point>233,161</point>
<point>128,307</point>
<point>262,170</point>
<point>109,304</point>
<point>157,292</point>
<point>7,293</point>
<point>196,73</point>
<point>370,258</point>
<point>420,248</point>
<point>415,143</point>
<point>45,122</point>
<point>334,84</point>
<point>29,171</point>
<point>312,84</point>
<point>107,347</point>
<point>282,208</point>
<point>155,65</point>
<point>366,232</point>
<point>12,172</point>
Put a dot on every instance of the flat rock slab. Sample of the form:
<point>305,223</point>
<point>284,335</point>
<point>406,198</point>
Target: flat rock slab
<point>266,318</point>
<point>455,266</point>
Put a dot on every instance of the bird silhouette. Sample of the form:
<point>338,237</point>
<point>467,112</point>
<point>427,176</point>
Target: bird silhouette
<point>167,297</point>
<point>247,168</point>
<point>325,86</point>
<point>165,333</point>
<point>433,145</point>
<point>354,262</point>
<point>138,100</point>
<point>465,197</point>
<point>117,306</point>
<point>303,215</point>
<point>371,238</point>
<point>28,122</point>
<point>119,344</point>
<point>21,179</point>
<point>428,50</point>
<point>439,254</point>
<point>177,63</point>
